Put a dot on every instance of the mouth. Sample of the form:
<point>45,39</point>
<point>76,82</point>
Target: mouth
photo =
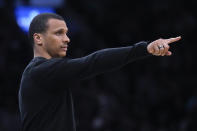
<point>64,48</point>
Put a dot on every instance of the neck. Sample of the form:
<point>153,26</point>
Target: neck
<point>39,52</point>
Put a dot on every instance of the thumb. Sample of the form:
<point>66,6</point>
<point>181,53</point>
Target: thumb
<point>169,53</point>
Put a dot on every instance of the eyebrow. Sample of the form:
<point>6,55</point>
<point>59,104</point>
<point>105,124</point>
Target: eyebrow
<point>61,29</point>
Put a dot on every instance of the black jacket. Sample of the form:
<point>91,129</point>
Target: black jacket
<point>45,99</point>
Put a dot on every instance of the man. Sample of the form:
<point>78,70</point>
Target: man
<point>45,99</point>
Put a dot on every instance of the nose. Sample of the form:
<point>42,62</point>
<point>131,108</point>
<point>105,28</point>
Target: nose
<point>66,39</point>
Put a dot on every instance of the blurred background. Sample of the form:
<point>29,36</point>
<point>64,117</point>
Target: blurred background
<point>153,94</point>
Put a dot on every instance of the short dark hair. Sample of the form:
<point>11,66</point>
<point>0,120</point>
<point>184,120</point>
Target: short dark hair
<point>39,24</point>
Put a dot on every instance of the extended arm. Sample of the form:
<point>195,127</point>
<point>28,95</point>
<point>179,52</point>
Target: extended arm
<point>60,69</point>
<point>64,69</point>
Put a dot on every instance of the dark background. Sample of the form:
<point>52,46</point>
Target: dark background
<point>153,94</point>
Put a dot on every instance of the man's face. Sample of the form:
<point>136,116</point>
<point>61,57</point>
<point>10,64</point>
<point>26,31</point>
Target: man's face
<point>55,40</point>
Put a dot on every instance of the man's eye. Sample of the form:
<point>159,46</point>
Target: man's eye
<point>58,33</point>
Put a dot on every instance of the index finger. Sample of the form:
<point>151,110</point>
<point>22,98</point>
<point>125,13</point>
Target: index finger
<point>171,40</point>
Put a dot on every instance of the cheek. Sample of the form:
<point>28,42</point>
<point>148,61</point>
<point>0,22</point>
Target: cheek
<point>52,47</point>
<point>53,43</point>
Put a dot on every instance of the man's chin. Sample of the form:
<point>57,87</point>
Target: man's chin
<point>62,55</point>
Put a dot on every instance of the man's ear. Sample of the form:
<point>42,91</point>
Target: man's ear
<point>38,39</point>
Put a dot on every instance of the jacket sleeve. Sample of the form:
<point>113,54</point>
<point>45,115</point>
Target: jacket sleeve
<point>61,69</point>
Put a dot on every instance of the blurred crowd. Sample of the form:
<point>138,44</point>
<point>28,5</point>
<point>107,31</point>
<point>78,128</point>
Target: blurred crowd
<point>152,94</point>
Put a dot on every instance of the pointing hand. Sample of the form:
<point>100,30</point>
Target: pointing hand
<point>161,47</point>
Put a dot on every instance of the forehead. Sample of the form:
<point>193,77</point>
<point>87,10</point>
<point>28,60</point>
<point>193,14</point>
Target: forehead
<point>55,24</point>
